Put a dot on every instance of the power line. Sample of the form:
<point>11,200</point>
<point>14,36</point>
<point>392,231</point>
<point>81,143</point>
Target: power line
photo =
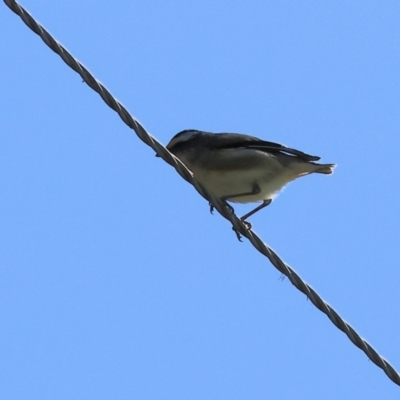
<point>217,203</point>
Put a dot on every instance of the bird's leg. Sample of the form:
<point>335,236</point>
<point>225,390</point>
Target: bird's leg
<point>265,203</point>
<point>255,190</point>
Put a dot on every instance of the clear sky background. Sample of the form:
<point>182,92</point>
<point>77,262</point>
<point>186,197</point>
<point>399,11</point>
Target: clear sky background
<point>115,280</point>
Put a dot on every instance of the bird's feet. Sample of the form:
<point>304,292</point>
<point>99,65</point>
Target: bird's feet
<point>248,224</point>
<point>212,208</point>
<point>238,234</point>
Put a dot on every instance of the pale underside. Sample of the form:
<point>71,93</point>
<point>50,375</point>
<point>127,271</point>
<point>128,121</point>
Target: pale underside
<point>239,171</point>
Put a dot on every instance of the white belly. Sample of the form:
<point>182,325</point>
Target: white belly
<point>225,184</point>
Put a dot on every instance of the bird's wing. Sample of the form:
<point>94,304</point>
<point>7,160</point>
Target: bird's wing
<point>236,140</point>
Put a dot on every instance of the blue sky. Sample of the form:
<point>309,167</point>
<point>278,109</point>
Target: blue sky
<point>116,281</point>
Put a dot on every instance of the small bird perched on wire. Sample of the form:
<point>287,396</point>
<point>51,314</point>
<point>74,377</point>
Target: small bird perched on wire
<point>241,168</point>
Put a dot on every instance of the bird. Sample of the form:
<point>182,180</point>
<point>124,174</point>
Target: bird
<point>240,168</point>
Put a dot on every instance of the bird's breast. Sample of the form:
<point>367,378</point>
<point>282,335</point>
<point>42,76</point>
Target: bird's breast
<point>241,184</point>
<point>237,172</point>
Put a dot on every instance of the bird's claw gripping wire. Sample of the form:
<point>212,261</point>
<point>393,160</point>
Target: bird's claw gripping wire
<point>212,208</point>
<point>238,234</point>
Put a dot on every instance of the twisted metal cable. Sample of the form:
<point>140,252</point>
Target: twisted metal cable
<point>219,204</point>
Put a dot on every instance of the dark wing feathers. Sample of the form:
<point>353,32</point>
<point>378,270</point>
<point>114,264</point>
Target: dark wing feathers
<point>235,140</point>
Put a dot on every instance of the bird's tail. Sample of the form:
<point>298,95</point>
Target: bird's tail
<point>324,168</point>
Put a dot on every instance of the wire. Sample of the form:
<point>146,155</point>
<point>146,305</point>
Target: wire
<point>217,203</point>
